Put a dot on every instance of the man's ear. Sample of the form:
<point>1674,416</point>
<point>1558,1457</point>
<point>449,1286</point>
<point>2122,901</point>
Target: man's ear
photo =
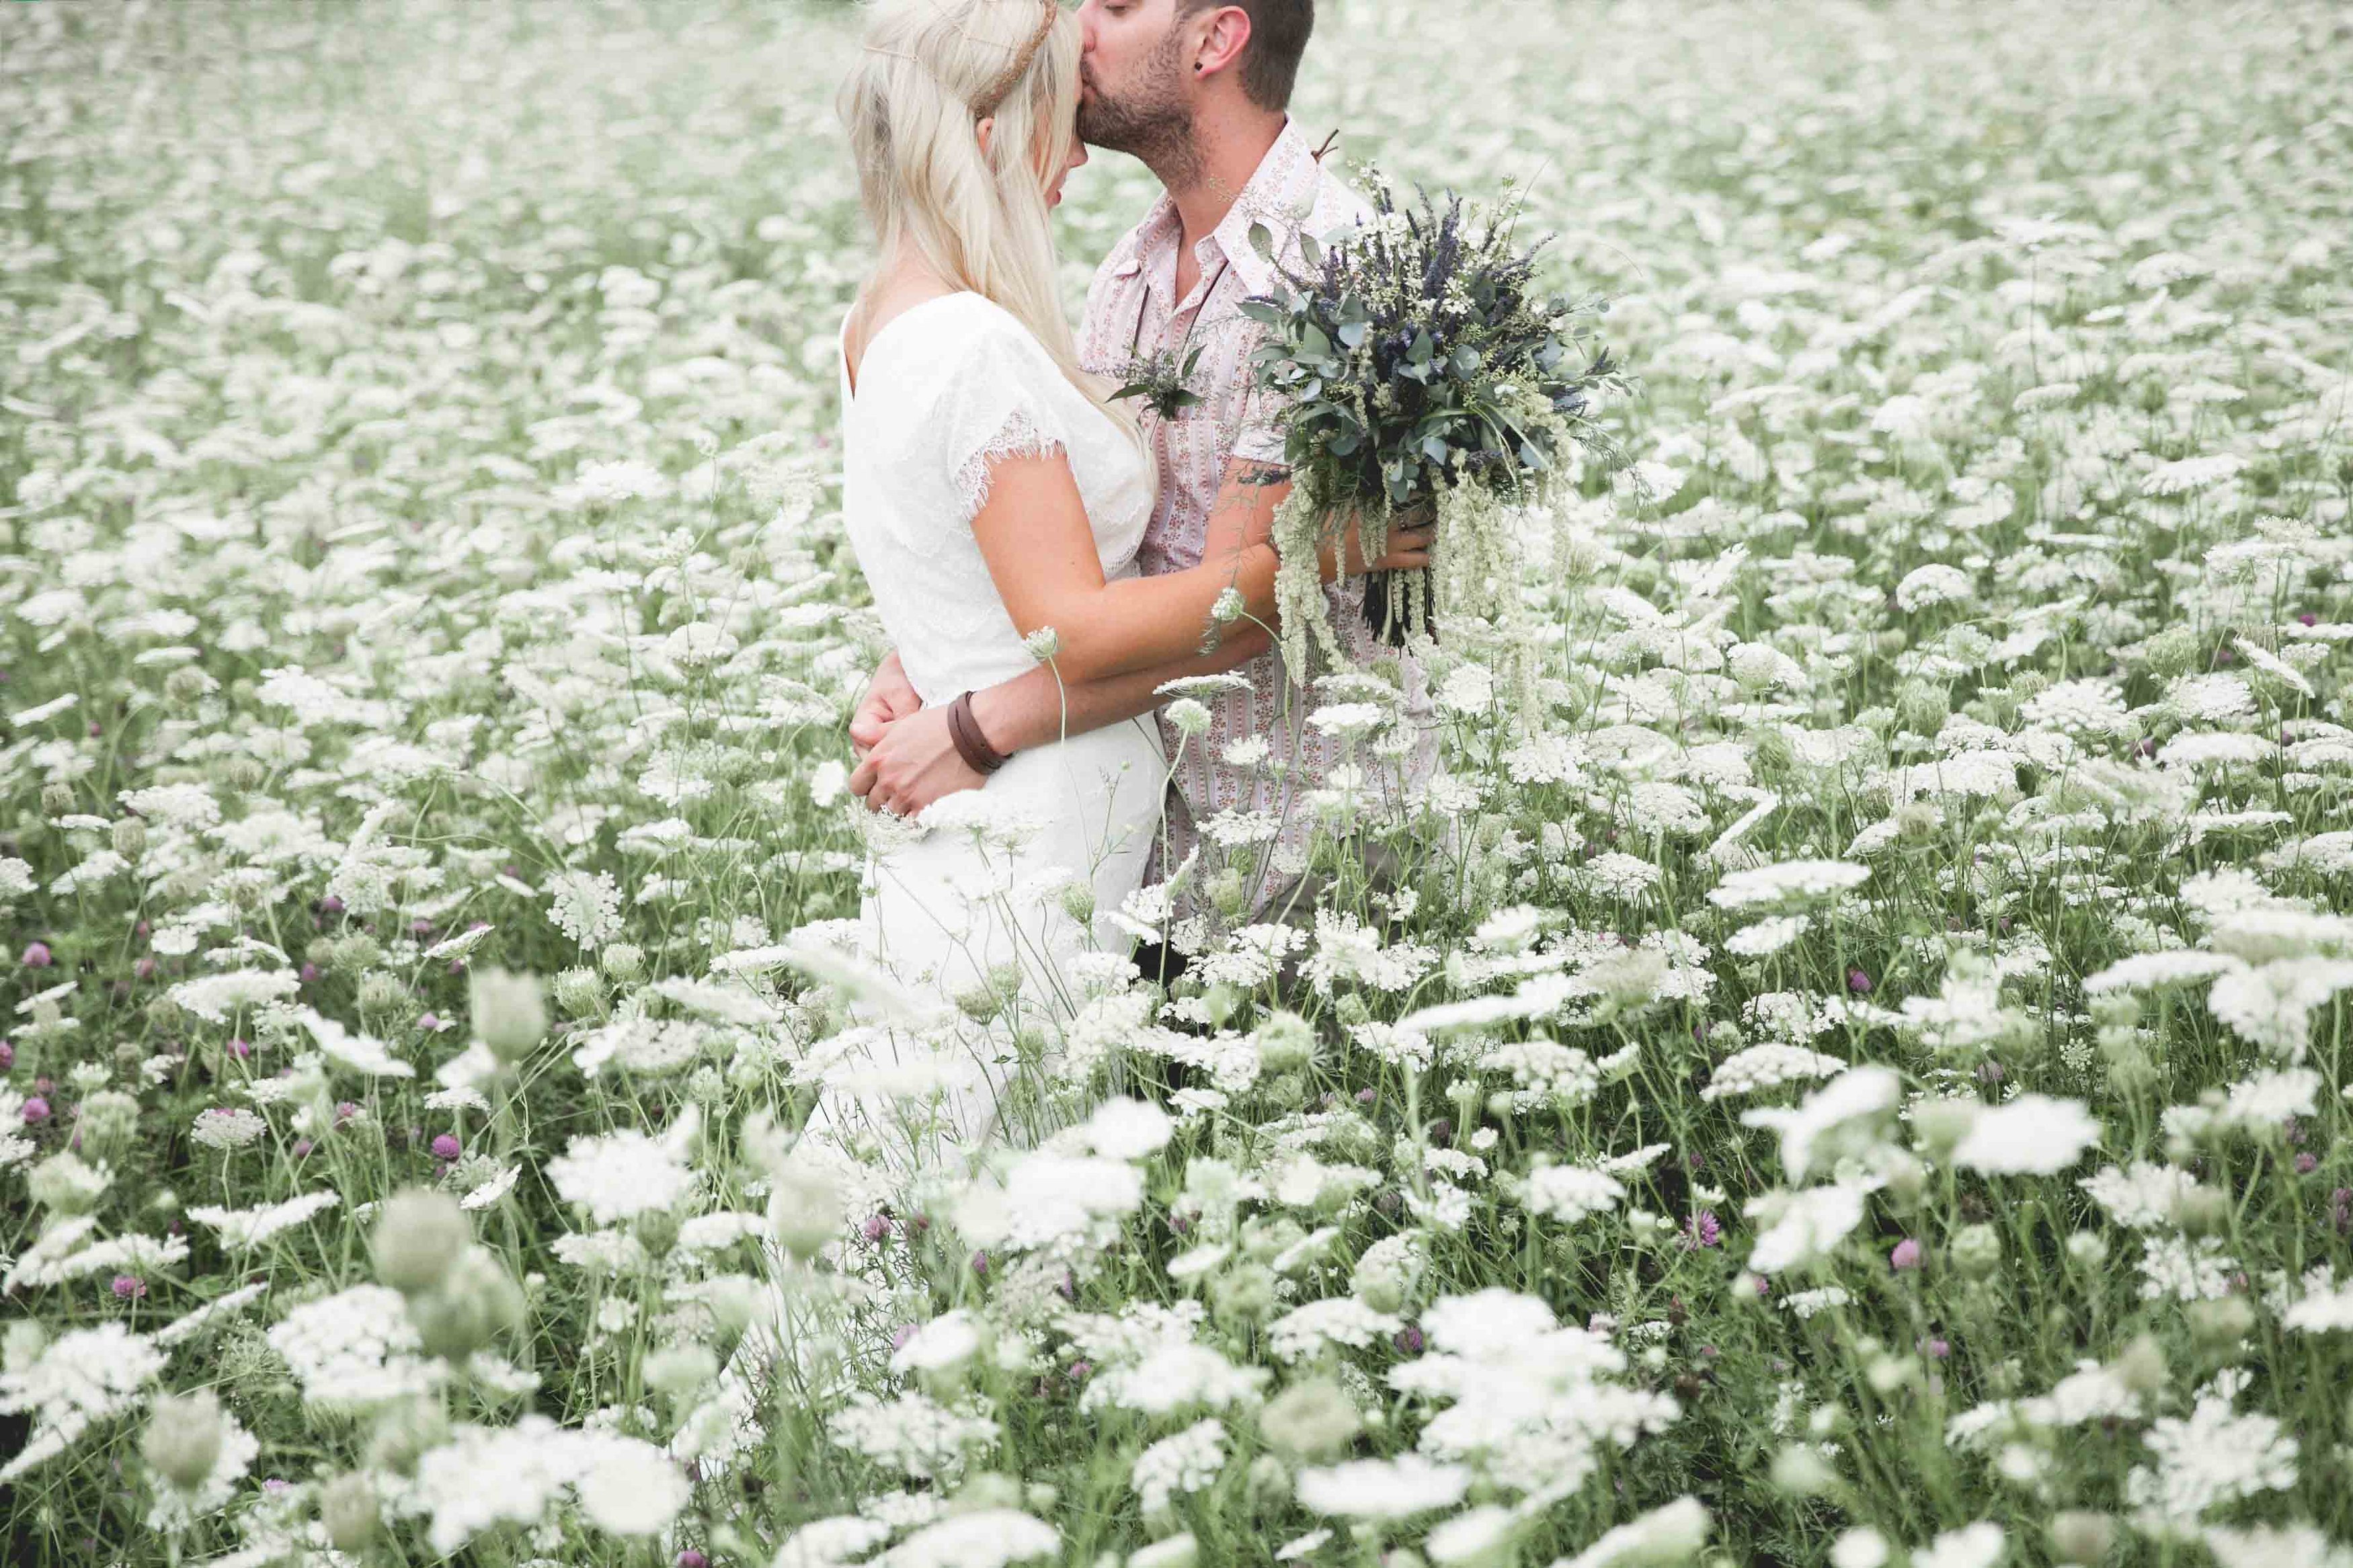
<point>1222,44</point>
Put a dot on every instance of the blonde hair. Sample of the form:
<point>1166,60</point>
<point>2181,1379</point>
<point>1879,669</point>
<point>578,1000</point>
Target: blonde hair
<point>980,220</point>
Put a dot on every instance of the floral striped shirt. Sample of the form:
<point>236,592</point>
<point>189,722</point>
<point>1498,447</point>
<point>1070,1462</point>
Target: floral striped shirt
<point>1243,781</point>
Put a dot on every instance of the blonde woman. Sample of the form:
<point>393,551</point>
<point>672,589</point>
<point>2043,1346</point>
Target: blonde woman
<point>996,497</point>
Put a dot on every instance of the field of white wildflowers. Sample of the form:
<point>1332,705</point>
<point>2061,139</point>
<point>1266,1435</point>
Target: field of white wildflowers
<point>1868,1090</point>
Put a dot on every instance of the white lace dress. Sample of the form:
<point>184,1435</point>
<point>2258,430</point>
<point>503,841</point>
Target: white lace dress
<point>978,879</point>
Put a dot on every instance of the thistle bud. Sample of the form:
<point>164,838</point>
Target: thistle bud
<point>1229,895</point>
<point>579,992</point>
<point>1975,1250</point>
<point>348,1508</point>
<point>418,1234</point>
<point>1188,716</point>
<point>1285,1042</point>
<point>474,1305</point>
<point>1310,1419</point>
<point>129,837</point>
<point>1182,1550</point>
<point>406,1432</point>
<point>804,1211</point>
<point>2173,651</point>
<point>1941,1124</point>
<point>2081,1538</point>
<point>183,1438</point>
<point>2222,1323</point>
<point>510,1016</point>
<point>679,1370</point>
<point>1923,708</point>
<point>2202,1211</point>
<point>1244,1294</point>
<point>1078,901</point>
<point>2088,1247</point>
<point>625,961</point>
<point>1773,751</point>
<point>2141,1367</point>
<point>1801,1472</point>
<point>22,1345</point>
<point>656,1232</point>
<point>381,994</point>
<point>1267,1484</point>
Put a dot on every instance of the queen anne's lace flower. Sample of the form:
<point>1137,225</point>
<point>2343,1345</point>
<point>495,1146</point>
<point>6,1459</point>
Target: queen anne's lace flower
<point>244,1229</point>
<point>1383,1489</point>
<point>353,1349</point>
<point>1766,1067</point>
<point>1571,1193</point>
<point>81,1377</point>
<point>619,1175</point>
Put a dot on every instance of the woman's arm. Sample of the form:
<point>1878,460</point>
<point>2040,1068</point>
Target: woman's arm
<point>1031,708</point>
<point>908,760</point>
<point>914,760</point>
<point>1033,532</point>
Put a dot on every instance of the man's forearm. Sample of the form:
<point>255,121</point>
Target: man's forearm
<point>1031,708</point>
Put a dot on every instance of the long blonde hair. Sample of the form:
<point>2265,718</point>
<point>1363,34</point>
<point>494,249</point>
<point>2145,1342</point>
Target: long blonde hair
<point>980,221</point>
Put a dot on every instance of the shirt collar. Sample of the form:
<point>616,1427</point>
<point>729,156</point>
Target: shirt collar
<point>1275,195</point>
<point>1160,227</point>
<point>1272,195</point>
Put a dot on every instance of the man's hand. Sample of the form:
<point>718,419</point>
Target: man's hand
<point>888,698</point>
<point>1406,549</point>
<point>912,763</point>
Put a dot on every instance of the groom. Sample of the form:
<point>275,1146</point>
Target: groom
<point>1197,91</point>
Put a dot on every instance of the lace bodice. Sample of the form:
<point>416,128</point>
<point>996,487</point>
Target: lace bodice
<point>944,386</point>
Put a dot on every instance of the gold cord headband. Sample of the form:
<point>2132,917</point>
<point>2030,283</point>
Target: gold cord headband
<point>991,97</point>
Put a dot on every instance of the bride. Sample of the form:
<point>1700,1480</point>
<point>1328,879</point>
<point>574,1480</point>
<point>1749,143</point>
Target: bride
<point>995,496</point>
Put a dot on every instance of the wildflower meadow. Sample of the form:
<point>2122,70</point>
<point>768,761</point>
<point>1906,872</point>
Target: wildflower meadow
<point>1852,1077</point>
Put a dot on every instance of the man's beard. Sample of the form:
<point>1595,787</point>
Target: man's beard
<point>1152,123</point>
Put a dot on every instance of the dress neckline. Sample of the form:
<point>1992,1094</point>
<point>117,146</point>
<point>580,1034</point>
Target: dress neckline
<point>841,336</point>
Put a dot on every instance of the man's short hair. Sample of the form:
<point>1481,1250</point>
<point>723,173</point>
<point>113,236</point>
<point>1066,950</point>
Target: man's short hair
<point>1279,31</point>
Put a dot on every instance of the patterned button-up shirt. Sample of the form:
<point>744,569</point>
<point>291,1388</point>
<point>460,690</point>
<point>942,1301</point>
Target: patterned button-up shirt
<point>1251,804</point>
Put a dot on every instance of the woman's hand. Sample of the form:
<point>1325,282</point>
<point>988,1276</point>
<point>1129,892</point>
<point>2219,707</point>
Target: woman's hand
<point>911,764</point>
<point>1407,547</point>
<point>890,697</point>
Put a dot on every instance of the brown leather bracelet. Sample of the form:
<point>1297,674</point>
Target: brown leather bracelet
<point>970,743</point>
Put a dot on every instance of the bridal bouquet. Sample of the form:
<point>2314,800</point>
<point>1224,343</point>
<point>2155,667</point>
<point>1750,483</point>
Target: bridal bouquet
<point>1423,372</point>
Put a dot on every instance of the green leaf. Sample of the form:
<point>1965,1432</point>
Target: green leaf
<point>1311,250</point>
<point>1261,240</point>
<point>1262,313</point>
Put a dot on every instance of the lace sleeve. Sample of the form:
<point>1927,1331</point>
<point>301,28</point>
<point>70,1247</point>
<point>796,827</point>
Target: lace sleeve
<point>1020,433</point>
<point>1000,404</point>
